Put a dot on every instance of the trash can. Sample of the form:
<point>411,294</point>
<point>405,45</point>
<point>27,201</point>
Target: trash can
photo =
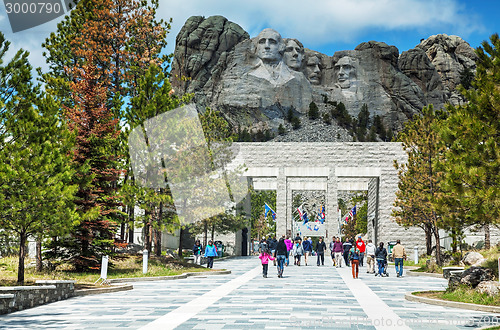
<point>220,248</point>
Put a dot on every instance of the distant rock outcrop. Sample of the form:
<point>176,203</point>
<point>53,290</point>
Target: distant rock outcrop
<point>256,82</point>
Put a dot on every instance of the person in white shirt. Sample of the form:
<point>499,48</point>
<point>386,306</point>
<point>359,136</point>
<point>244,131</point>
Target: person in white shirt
<point>370,257</point>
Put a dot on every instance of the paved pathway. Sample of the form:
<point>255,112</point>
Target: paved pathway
<point>306,298</point>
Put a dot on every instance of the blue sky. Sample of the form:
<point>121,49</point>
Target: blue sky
<point>323,25</point>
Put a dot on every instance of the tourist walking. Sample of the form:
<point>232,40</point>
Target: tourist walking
<point>263,245</point>
<point>289,246</point>
<point>264,257</point>
<point>297,252</point>
<point>381,256</point>
<point>399,254</point>
<point>320,251</point>
<point>361,247</point>
<point>337,250</point>
<point>210,254</point>
<point>330,247</point>
<point>280,255</point>
<point>354,256</point>
<point>307,246</point>
<point>197,251</point>
<point>370,257</point>
<point>347,247</point>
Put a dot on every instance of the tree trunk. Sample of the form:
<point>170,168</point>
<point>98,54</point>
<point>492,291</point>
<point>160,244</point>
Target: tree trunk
<point>438,246</point>
<point>181,233</point>
<point>428,238</point>
<point>487,241</point>
<point>213,233</point>
<point>22,256</point>
<point>122,231</point>
<point>205,236</point>
<point>131,219</point>
<point>38,256</point>
<point>157,242</point>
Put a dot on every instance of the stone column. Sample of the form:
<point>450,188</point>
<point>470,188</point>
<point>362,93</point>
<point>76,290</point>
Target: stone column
<point>281,204</point>
<point>372,210</point>
<point>331,213</point>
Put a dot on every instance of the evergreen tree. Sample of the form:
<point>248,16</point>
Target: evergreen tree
<point>472,133</point>
<point>98,166</point>
<point>153,98</point>
<point>281,129</point>
<point>327,119</point>
<point>420,180</point>
<point>36,197</point>
<point>313,112</point>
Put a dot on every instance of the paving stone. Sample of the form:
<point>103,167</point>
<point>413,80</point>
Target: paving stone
<point>307,297</point>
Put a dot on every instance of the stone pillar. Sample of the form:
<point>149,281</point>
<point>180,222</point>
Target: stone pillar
<point>331,212</point>
<point>281,204</point>
<point>372,211</point>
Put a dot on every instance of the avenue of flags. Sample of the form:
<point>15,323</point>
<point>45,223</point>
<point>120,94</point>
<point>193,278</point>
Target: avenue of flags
<point>320,217</point>
<point>303,214</point>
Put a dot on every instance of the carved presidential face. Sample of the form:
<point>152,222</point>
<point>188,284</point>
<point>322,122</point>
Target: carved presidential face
<point>346,71</point>
<point>294,53</point>
<point>313,70</point>
<point>269,46</point>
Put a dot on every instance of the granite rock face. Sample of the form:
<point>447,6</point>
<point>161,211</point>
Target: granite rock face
<point>255,82</point>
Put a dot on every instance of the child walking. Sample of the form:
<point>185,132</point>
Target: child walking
<point>265,256</point>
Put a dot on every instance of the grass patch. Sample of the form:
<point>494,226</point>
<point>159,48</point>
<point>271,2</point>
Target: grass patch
<point>122,267</point>
<point>462,294</point>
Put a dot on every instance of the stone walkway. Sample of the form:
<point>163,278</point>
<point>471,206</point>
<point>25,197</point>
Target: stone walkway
<point>306,298</point>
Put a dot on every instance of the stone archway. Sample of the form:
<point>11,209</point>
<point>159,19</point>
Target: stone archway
<point>331,167</point>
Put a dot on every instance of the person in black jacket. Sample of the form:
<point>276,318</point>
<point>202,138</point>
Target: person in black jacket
<point>381,256</point>
<point>197,252</point>
<point>280,255</point>
<point>320,250</point>
<point>347,247</point>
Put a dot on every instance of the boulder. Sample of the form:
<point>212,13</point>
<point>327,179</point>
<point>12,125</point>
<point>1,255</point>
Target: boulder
<point>473,258</point>
<point>475,275</point>
<point>447,271</point>
<point>454,278</point>
<point>490,287</point>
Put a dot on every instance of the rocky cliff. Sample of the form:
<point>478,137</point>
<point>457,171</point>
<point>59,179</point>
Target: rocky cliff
<point>257,82</point>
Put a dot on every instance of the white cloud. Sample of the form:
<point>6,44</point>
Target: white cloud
<point>315,23</point>
<point>326,21</point>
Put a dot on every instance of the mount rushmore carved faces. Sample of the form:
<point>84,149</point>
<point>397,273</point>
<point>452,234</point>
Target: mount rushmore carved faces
<point>313,69</point>
<point>270,46</point>
<point>346,71</point>
<point>294,53</point>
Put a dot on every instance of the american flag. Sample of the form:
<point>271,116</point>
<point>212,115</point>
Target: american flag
<point>352,212</point>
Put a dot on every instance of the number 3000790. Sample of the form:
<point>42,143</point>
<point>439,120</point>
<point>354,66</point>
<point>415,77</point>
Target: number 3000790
<point>33,8</point>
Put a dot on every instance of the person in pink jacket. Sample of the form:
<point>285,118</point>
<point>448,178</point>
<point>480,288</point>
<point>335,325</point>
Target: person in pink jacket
<point>265,256</point>
<point>289,246</point>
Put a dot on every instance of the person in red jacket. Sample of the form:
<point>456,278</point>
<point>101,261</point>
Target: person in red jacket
<point>360,244</point>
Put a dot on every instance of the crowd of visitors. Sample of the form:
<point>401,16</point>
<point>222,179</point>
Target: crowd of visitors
<point>351,252</point>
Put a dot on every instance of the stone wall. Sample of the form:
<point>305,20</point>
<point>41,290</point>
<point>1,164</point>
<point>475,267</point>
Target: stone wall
<point>18,298</point>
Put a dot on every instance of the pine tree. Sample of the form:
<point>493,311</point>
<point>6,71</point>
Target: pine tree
<point>472,133</point>
<point>420,180</point>
<point>36,197</point>
<point>154,97</point>
<point>313,112</point>
<point>94,156</point>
